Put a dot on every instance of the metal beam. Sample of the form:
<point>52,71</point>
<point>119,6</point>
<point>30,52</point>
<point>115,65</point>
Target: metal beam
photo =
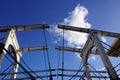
<point>114,50</point>
<point>10,41</point>
<point>31,49</point>
<point>37,71</point>
<point>73,70</point>
<point>105,59</point>
<point>73,49</point>
<point>85,54</point>
<point>84,30</point>
<point>54,75</point>
<point>69,75</point>
<point>24,27</point>
<point>29,78</point>
<point>34,48</point>
<point>42,71</point>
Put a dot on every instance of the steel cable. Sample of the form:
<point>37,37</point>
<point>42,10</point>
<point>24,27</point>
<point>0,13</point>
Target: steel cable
<point>58,65</point>
<point>11,65</point>
<point>63,57</point>
<point>6,74</point>
<point>80,68</point>
<point>47,55</point>
<point>45,62</point>
<point>19,63</point>
<point>95,70</point>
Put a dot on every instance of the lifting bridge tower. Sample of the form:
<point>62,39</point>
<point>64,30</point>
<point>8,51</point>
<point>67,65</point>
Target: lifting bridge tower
<point>93,40</point>
<point>11,44</point>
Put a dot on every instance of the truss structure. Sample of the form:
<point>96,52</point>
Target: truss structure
<point>11,41</point>
<point>93,40</point>
<point>10,46</point>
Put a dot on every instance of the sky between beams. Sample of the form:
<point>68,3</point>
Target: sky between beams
<point>77,18</point>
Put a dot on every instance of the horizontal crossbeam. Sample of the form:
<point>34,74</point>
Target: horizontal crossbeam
<point>84,30</point>
<point>74,70</point>
<point>114,49</point>
<point>37,71</point>
<point>73,49</point>
<point>32,49</point>
<point>42,71</point>
<point>54,75</point>
<point>24,78</point>
<point>24,27</point>
<point>70,75</point>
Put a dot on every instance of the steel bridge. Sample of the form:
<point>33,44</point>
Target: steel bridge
<point>10,46</point>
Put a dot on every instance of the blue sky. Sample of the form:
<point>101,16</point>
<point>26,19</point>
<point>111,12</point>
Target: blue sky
<point>102,15</point>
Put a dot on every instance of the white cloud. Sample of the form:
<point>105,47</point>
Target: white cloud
<point>76,18</point>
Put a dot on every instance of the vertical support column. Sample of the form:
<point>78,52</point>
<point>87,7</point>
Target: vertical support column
<point>85,54</point>
<point>87,72</point>
<point>105,58</point>
<point>93,40</point>
<point>11,41</point>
